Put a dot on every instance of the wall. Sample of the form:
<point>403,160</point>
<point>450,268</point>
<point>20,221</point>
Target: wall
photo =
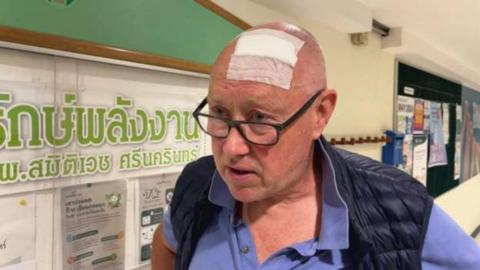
<point>362,75</point>
<point>156,27</point>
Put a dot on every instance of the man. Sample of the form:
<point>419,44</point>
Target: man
<point>275,196</point>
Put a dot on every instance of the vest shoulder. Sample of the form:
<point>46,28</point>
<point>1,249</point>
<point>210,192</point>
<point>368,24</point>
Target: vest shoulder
<point>375,171</point>
<point>200,167</point>
<point>196,175</point>
<point>190,207</point>
<point>388,207</point>
<point>193,182</point>
<point>372,167</point>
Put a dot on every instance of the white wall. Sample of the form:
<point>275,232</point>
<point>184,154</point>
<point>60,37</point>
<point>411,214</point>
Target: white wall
<point>362,75</point>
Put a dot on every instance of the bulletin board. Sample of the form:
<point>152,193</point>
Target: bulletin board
<point>438,99</point>
<point>470,133</point>
<point>94,144</point>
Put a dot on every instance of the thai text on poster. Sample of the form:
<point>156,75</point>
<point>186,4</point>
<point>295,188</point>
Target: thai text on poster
<point>93,226</point>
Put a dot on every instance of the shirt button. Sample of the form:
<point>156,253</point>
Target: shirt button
<point>244,250</point>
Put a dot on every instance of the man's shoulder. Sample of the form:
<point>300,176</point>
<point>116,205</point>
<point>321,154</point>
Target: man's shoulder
<point>204,166</point>
<point>387,205</point>
<point>373,170</point>
<point>196,174</point>
<point>190,197</point>
<point>194,181</point>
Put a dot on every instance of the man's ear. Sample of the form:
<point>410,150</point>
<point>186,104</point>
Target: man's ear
<point>324,107</point>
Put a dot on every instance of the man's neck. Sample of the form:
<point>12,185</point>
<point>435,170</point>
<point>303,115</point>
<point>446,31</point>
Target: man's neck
<point>279,206</point>
<point>305,193</point>
<point>278,222</point>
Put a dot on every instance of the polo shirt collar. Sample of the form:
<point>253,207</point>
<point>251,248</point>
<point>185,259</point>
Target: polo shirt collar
<point>219,193</point>
<point>334,230</point>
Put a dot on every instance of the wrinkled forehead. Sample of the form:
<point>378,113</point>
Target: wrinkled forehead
<point>266,56</point>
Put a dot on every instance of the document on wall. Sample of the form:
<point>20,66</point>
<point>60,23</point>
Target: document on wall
<point>406,166</point>
<point>475,115</point>
<point>93,226</point>
<point>445,120</point>
<point>418,116</point>
<point>28,265</point>
<point>17,231</point>
<point>155,193</point>
<point>426,115</point>
<point>405,114</point>
<point>420,147</point>
<point>438,151</point>
<point>458,142</point>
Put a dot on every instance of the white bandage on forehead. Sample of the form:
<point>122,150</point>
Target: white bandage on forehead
<point>265,55</point>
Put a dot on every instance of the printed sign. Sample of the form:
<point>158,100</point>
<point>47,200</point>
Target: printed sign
<point>438,152</point>
<point>405,114</point>
<point>406,165</point>
<point>418,116</point>
<point>89,126</point>
<point>17,230</point>
<point>458,142</point>
<point>426,116</point>
<point>106,127</point>
<point>155,195</point>
<point>446,121</point>
<point>93,226</point>
<point>420,148</point>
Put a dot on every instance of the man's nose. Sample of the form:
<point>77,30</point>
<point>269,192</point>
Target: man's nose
<point>235,144</point>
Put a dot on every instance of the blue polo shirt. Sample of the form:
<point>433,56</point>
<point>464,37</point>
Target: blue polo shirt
<point>228,244</point>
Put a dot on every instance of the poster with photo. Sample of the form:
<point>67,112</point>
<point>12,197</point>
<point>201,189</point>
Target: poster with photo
<point>419,166</point>
<point>437,149</point>
<point>470,134</point>
<point>155,193</point>
<point>93,226</point>
<point>17,231</point>
<point>405,114</point>
<point>418,117</point>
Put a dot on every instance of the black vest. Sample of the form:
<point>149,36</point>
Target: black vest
<point>388,211</point>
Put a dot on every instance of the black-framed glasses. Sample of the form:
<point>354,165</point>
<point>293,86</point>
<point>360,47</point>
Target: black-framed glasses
<point>252,132</point>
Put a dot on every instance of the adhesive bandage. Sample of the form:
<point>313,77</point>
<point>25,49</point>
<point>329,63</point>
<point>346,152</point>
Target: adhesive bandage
<point>265,55</point>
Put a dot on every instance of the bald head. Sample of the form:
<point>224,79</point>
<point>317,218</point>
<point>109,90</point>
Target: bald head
<point>280,54</point>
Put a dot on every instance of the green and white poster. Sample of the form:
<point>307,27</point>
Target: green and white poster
<point>93,226</point>
<point>155,194</point>
<point>78,120</point>
<point>66,123</point>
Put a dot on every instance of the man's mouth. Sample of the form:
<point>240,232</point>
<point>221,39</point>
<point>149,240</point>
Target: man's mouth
<point>240,171</point>
<point>239,174</point>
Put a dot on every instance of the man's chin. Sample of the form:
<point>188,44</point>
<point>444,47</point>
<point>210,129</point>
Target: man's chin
<point>246,195</point>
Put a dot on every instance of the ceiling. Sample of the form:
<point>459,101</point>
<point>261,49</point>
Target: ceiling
<point>442,37</point>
